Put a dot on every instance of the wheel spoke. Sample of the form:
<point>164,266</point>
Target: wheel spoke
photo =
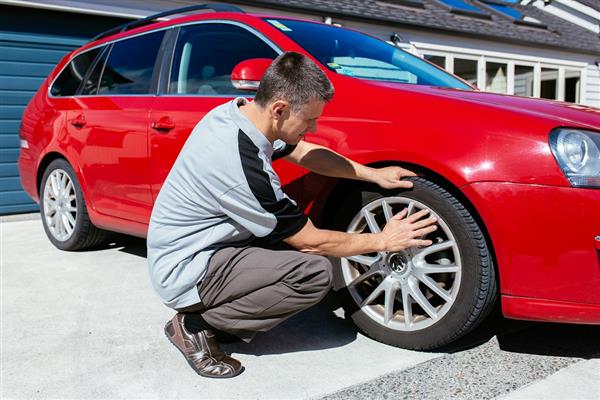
<point>427,268</point>
<point>381,288</point>
<point>362,277</point>
<point>431,284</point>
<point>406,307</point>
<point>388,305</point>
<point>370,218</point>
<point>63,181</point>
<point>434,248</point>
<point>71,220</point>
<point>71,209</point>
<point>364,260</point>
<point>416,294</point>
<point>69,187</point>
<point>411,207</point>
<point>387,210</point>
<point>66,225</point>
<point>54,185</point>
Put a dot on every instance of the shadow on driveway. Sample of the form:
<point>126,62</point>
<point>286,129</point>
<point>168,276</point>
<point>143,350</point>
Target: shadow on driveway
<point>320,328</point>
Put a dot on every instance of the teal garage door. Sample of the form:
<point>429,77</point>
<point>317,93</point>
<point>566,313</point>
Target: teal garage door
<point>32,41</point>
<point>25,61</point>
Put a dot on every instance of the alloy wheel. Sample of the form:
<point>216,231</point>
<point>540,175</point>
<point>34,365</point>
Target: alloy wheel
<point>407,290</point>
<point>60,205</point>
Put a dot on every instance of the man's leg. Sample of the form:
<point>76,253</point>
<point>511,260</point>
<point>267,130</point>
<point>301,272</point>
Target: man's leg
<point>252,289</point>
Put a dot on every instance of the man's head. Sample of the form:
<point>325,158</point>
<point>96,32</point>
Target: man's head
<point>292,93</point>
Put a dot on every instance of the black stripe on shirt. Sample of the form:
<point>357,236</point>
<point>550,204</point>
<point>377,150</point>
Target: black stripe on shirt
<point>286,151</point>
<point>290,219</point>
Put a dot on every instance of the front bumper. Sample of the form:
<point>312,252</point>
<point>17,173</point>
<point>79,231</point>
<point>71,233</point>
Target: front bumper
<point>544,238</point>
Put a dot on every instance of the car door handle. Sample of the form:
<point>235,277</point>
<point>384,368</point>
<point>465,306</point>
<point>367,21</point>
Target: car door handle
<point>163,124</point>
<point>79,121</point>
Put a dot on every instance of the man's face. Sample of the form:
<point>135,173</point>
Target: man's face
<point>292,126</point>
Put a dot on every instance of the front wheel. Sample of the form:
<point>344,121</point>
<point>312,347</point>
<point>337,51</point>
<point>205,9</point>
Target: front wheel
<point>418,298</point>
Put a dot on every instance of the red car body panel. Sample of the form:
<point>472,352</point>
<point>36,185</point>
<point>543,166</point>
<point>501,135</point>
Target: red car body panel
<point>493,148</point>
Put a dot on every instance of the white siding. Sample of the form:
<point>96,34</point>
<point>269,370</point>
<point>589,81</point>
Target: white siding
<point>591,83</point>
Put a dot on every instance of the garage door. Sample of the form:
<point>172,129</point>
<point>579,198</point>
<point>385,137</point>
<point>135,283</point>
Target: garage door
<point>25,61</point>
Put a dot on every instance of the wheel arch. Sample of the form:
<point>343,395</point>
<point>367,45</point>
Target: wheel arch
<point>43,165</point>
<point>46,161</point>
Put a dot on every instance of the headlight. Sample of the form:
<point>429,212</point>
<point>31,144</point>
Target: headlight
<point>578,154</point>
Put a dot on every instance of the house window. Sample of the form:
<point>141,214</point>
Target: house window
<point>437,60</point>
<point>549,84</point>
<point>495,77</point>
<point>466,69</point>
<point>572,86</point>
<point>523,80</point>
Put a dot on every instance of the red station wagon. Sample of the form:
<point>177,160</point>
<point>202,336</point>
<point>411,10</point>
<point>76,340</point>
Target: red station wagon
<point>513,181</point>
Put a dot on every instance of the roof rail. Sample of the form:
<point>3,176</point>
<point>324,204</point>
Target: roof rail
<point>150,19</point>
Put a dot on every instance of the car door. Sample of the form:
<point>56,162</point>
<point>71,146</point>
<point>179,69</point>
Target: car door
<point>196,79</point>
<point>109,121</point>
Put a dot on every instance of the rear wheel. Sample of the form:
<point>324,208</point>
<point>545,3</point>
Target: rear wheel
<point>64,214</point>
<point>419,298</point>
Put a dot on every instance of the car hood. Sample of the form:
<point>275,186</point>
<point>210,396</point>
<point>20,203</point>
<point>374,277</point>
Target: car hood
<point>563,114</point>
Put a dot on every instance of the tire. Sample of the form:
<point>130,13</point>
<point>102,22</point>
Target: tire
<point>63,210</point>
<point>455,275</point>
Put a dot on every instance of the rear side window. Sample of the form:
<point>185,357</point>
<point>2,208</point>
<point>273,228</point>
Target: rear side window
<point>206,54</point>
<point>130,66</point>
<point>71,77</point>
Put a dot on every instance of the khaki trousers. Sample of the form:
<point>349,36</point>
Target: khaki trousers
<point>252,289</point>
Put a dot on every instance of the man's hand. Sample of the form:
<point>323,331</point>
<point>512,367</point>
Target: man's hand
<point>401,233</point>
<point>390,177</point>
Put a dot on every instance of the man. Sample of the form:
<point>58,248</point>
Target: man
<point>221,214</point>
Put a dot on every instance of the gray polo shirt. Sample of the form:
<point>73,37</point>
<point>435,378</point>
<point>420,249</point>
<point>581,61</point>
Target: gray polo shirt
<point>222,189</point>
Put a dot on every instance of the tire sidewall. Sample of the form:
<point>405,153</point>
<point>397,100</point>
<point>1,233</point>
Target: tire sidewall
<point>469,288</point>
<point>72,242</point>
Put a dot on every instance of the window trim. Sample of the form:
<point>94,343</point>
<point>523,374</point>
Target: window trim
<point>167,65</point>
<point>166,55</point>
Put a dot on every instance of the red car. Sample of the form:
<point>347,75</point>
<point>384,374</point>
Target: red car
<point>514,182</point>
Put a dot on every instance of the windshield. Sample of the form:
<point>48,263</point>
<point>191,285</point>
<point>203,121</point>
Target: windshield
<point>361,56</point>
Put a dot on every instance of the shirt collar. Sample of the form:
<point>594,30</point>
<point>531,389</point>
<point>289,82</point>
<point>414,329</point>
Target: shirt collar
<point>248,127</point>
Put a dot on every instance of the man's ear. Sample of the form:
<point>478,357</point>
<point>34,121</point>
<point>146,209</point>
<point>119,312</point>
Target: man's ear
<point>279,109</point>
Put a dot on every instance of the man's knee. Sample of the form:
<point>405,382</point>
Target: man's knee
<point>316,273</point>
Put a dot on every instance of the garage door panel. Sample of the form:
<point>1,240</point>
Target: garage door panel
<point>9,53</point>
<point>11,184</point>
<point>9,141</point>
<point>12,68</point>
<point>9,127</point>
<point>11,112</point>
<point>9,170</point>
<point>16,98</point>
<point>14,197</point>
<point>19,83</point>
<point>9,155</point>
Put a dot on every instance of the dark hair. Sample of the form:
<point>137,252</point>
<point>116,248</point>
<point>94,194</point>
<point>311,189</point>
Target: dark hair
<point>293,77</point>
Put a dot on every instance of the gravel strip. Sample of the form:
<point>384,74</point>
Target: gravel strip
<point>495,368</point>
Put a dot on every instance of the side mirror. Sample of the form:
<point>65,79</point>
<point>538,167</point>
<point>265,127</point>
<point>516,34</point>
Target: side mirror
<point>247,74</point>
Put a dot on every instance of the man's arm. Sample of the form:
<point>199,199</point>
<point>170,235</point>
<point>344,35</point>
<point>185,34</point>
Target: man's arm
<point>399,233</point>
<point>324,161</point>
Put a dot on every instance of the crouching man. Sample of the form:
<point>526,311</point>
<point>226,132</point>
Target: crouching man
<point>214,238</point>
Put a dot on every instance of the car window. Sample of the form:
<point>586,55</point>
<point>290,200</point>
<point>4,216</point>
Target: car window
<point>129,66</point>
<point>70,78</point>
<point>355,54</point>
<point>206,54</point>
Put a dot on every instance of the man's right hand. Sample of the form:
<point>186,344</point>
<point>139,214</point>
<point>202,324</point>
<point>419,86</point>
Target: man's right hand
<point>402,232</point>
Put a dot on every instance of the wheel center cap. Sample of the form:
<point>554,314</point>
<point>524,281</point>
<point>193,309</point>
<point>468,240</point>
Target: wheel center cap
<point>398,263</point>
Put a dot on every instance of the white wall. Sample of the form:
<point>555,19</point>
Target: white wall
<point>592,86</point>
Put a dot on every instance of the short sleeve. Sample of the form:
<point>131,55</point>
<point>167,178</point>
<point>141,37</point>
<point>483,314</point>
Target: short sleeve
<point>282,149</point>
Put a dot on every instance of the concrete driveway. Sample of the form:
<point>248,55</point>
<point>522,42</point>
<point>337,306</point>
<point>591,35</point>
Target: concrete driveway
<point>88,325</point>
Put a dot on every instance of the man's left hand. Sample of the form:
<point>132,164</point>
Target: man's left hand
<point>390,177</point>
